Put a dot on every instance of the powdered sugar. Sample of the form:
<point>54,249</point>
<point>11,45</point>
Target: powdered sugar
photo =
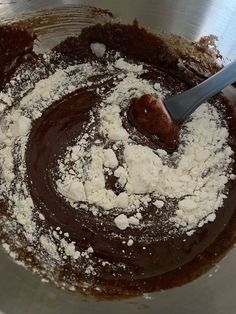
<point>146,173</point>
<point>49,246</point>
<point>70,250</point>
<point>98,49</point>
<point>158,203</point>
<point>130,242</point>
<point>121,222</point>
<point>124,65</point>
<point>203,153</point>
<point>110,159</point>
<point>16,125</point>
<point>20,127</point>
<point>73,190</point>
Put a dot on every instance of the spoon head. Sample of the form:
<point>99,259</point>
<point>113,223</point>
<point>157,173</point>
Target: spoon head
<point>150,117</point>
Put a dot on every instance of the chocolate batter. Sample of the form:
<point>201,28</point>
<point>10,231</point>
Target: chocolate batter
<point>151,118</point>
<point>164,263</point>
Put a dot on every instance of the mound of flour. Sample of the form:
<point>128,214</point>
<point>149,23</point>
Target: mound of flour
<point>196,181</point>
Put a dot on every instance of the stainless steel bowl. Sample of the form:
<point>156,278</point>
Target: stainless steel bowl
<point>23,293</point>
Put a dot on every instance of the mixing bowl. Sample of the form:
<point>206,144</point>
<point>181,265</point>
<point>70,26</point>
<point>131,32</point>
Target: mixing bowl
<point>23,293</point>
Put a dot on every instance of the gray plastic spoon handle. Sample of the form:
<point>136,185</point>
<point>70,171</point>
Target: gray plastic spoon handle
<point>182,105</point>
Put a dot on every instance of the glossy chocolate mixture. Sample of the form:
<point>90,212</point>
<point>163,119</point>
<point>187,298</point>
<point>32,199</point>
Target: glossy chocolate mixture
<point>163,263</point>
<point>149,115</point>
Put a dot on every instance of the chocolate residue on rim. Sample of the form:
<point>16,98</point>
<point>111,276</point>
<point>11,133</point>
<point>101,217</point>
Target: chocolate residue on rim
<point>14,50</point>
<point>76,17</point>
<point>190,61</point>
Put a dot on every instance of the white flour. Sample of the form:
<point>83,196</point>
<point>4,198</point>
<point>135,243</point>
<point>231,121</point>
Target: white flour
<point>196,181</point>
<point>16,126</point>
<point>146,172</point>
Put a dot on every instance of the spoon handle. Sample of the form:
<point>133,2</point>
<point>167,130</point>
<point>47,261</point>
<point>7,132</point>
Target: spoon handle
<point>182,105</point>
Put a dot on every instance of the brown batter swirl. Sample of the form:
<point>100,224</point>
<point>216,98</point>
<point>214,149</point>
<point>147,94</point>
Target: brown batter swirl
<point>152,263</point>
